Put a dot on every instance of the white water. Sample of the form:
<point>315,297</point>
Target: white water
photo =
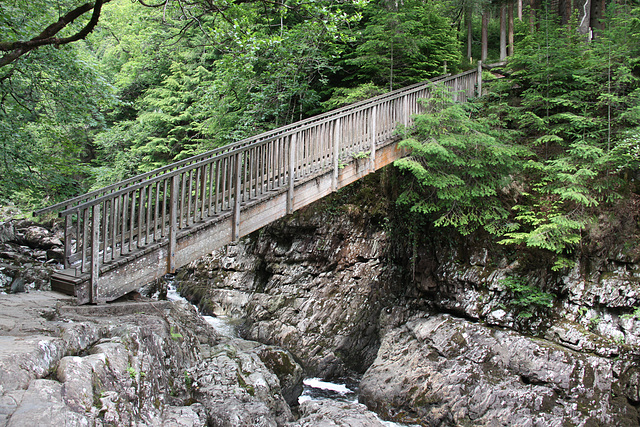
<point>318,389</point>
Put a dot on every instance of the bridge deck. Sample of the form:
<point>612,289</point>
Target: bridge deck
<point>133,232</point>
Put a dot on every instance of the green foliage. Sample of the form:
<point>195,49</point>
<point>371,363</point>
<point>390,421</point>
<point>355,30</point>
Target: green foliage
<point>50,107</point>
<point>345,96</point>
<point>460,167</point>
<point>403,43</point>
<point>574,104</point>
<point>175,335</point>
<point>526,297</point>
<point>635,315</point>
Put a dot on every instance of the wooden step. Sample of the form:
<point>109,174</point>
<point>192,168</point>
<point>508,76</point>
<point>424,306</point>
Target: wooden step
<point>67,282</point>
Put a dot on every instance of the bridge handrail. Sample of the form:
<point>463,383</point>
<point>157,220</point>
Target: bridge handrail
<point>66,207</point>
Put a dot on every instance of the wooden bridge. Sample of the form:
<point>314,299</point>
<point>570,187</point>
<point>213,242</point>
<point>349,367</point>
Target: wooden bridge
<point>126,235</point>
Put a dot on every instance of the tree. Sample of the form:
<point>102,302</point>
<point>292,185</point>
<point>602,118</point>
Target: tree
<point>403,44</point>
<point>460,163</point>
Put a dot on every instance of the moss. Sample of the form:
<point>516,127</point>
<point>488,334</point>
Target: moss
<point>278,362</point>
<point>248,387</point>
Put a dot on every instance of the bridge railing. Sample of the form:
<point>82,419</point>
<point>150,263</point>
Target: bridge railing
<point>107,227</point>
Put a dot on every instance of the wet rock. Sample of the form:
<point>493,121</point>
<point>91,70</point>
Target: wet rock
<point>288,371</point>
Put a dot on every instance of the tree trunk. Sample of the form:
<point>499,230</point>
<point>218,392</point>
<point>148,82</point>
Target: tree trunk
<point>485,38</point>
<point>597,14</point>
<point>469,34</point>
<point>583,9</point>
<point>535,5</point>
<point>503,33</point>
<point>519,10</point>
<point>511,31</point>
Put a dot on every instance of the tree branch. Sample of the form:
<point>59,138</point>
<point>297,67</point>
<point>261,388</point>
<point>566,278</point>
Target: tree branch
<point>47,36</point>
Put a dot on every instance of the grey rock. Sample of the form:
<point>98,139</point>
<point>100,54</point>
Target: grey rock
<point>328,413</point>
<point>42,405</point>
<point>441,370</point>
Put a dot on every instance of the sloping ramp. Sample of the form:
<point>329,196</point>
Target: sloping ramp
<point>126,235</point>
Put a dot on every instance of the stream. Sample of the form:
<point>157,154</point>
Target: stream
<point>342,390</point>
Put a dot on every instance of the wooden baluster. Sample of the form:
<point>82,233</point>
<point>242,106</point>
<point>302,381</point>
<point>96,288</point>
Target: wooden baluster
<point>183,194</point>
<point>105,227</point>
<point>123,234</point>
<point>68,227</point>
<point>212,167</point>
<point>141,216</point>
<point>165,189</point>
<point>189,196</point>
<point>155,202</point>
<point>85,239</point>
<point>219,175</point>
<point>114,225</point>
<point>132,216</point>
<point>149,200</point>
<point>228,182</point>
<point>373,118</point>
<point>203,190</point>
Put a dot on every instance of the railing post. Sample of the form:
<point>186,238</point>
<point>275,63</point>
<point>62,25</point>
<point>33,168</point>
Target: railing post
<point>291,190</point>
<point>374,114</point>
<point>336,155</point>
<point>455,89</point>
<point>235,232</point>
<point>95,252</point>
<point>173,225</point>
<point>479,77</point>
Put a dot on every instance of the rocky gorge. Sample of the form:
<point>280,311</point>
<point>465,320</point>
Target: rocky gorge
<point>438,330</point>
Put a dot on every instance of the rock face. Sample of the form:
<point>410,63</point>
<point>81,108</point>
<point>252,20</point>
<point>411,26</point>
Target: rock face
<point>442,370</point>
<point>29,254</point>
<point>134,363</point>
<point>447,332</point>
<point>314,286</point>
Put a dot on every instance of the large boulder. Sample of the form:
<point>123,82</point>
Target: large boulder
<point>443,370</point>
